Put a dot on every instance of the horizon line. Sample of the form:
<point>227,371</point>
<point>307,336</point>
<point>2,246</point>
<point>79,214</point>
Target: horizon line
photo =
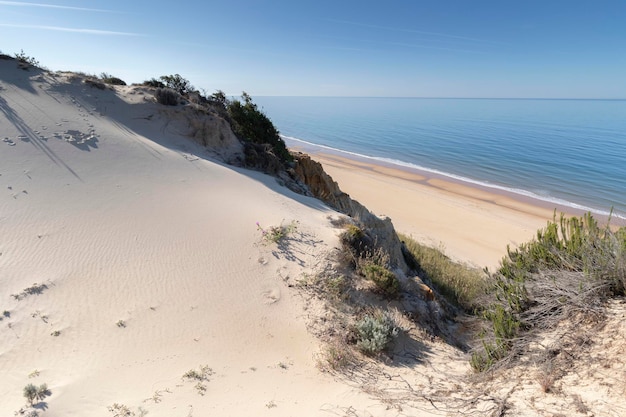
<point>447,97</point>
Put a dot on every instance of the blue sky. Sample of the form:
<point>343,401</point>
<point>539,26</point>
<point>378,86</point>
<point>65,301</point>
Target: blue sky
<point>420,48</point>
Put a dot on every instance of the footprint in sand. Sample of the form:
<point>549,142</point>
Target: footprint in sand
<point>271,296</point>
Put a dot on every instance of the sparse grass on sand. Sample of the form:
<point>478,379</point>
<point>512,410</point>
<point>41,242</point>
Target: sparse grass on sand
<point>462,285</point>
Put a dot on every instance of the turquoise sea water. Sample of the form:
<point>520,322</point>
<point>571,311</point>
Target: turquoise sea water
<point>569,152</point>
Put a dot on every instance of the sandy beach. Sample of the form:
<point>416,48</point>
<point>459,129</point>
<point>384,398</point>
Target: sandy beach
<point>470,224</point>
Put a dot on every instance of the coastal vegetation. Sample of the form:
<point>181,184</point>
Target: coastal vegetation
<point>275,234</point>
<point>200,376</point>
<point>166,96</point>
<point>177,83</point>
<point>563,277</point>
<point>110,79</point>
<point>252,125</point>
<point>23,58</point>
<point>261,139</point>
<point>375,332</point>
<point>461,285</point>
<point>33,392</point>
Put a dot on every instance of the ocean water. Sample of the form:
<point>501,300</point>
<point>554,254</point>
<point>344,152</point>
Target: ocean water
<point>568,152</point>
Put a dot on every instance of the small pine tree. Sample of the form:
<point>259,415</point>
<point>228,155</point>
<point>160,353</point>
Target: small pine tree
<point>30,393</point>
<point>42,392</point>
<point>22,57</point>
<point>177,83</point>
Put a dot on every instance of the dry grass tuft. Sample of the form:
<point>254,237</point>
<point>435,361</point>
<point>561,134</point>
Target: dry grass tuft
<point>460,284</point>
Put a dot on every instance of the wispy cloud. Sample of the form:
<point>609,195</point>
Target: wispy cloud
<point>54,6</point>
<point>383,44</point>
<point>421,32</point>
<point>75,30</point>
<point>441,48</point>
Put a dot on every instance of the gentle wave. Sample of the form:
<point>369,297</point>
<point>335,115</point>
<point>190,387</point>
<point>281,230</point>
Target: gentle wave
<point>517,191</point>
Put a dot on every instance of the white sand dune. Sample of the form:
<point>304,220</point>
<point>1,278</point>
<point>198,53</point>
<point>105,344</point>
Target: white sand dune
<point>152,263</point>
<point>130,255</point>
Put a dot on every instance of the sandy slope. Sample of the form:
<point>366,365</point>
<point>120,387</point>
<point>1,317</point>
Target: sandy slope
<point>148,263</point>
<point>153,234</point>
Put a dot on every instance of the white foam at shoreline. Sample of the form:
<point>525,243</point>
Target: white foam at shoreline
<point>517,191</point>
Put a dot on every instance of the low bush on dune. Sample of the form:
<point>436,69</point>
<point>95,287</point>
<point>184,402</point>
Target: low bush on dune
<point>263,146</point>
<point>566,274</point>
<point>562,278</point>
<point>26,59</point>
<point>374,332</point>
<point>360,253</point>
<point>276,234</point>
<point>153,82</point>
<point>385,279</point>
<point>166,96</point>
<point>251,124</point>
<point>177,83</point>
<point>33,392</point>
<point>109,79</point>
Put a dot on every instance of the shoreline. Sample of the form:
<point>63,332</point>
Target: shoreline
<point>564,206</point>
<point>470,223</point>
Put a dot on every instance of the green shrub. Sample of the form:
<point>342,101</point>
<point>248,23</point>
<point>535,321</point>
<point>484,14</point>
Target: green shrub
<point>385,280</point>
<point>166,96</point>
<point>251,124</point>
<point>374,332</point>
<point>275,234</point>
<point>357,246</point>
<point>354,232</point>
<point>219,97</point>
<point>177,83</point>
<point>109,79</point>
<point>153,82</point>
<point>32,393</point>
<point>571,268</point>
